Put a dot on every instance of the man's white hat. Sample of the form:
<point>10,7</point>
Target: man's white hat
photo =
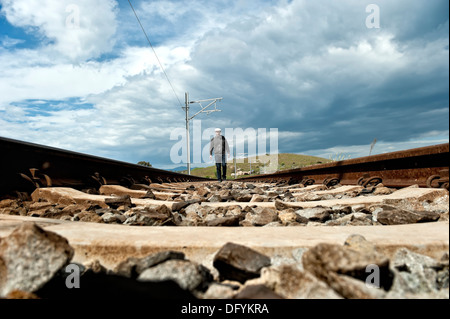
<point>218,130</point>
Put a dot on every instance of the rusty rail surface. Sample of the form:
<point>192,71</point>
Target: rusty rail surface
<point>425,166</point>
<point>26,166</point>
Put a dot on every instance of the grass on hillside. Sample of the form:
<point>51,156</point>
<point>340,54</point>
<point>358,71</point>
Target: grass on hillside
<point>262,165</point>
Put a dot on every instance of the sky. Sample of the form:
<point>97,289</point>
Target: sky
<point>329,76</point>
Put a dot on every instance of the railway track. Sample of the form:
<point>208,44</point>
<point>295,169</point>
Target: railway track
<point>26,166</point>
<point>426,167</point>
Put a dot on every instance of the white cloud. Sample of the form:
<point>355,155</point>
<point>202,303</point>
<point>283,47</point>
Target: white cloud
<point>78,31</point>
<point>8,42</point>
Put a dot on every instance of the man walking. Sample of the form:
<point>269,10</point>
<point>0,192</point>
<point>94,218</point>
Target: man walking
<point>219,145</point>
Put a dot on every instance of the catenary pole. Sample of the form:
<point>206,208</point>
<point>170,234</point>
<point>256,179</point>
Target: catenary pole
<point>189,118</point>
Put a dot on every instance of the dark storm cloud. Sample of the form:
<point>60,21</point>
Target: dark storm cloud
<point>314,68</point>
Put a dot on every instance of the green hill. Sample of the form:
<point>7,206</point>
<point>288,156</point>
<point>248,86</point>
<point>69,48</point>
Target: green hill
<point>261,165</point>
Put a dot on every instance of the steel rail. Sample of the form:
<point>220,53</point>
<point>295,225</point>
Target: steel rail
<point>425,166</point>
<point>25,166</point>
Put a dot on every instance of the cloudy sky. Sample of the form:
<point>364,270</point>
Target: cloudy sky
<point>80,74</point>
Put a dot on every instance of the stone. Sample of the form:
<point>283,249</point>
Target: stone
<point>187,274</point>
<point>291,283</point>
<point>214,198</point>
<point>115,202</point>
<point>444,217</point>
<point>360,243</point>
<point>382,190</point>
<point>87,216</point>
<point>40,206</point>
<point>178,206</point>
<point>243,197</point>
<point>203,191</point>
<point>42,209</point>
<point>149,195</point>
<point>288,217</point>
<point>96,267</point>
<point>234,211</point>
<point>360,219</point>
<point>352,288</point>
<point>154,215</point>
<point>71,210</point>
<point>342,210</point>
<point>415,273</point>
<point>132,267</point>
<point>113,218</point>
<point>192,208</point>
<point>308,197</point>
<point>279,205</point>
<point>261,216</point>
<point>438,205</point>
<point>102,211</point>
<point>257,198</point>
<point>391,215</point>
<point>219,291</point>
<point>8,203</point>
<point>360,209</point>
<point>329,261</point>
<point>53,212</point>
<point>240,263</point>
<point>316,214</point>
<point>21,295</point>
<point>30,256</point>
<point>342,221</point>
<point>442,276</point>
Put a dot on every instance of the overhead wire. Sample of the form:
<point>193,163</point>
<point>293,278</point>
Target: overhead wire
<point>157,58</point>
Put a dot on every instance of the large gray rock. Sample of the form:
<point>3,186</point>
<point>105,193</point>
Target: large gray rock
<point>187,274</point>
<point>30,256</point>
<point>417,274</point>
<point>334,263</point>
<point>240,263</point>
<point>391,215</point>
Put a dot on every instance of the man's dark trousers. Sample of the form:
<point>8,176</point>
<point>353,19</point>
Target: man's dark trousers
<point>222,167</point>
